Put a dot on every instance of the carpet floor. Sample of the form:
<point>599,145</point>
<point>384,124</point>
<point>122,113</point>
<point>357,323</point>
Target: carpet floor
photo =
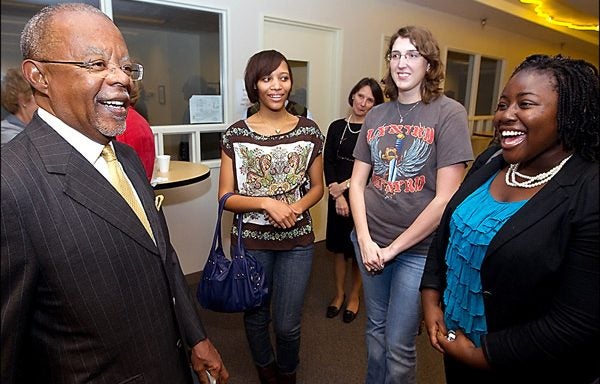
<point>332,352</point>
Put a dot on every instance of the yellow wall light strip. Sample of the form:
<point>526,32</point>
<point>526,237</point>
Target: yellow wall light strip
<point>540,12</point>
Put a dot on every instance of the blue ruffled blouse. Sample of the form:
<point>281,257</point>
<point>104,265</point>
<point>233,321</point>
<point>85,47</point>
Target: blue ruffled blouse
<point>472,226</point>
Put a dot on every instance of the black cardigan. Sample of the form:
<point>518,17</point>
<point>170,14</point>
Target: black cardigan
<point>540,279</point>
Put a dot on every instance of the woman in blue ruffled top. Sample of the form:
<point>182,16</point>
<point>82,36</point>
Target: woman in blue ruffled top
<point>511,287</point>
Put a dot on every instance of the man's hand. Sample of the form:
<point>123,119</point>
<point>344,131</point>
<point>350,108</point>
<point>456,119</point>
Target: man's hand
<point>205,357</point>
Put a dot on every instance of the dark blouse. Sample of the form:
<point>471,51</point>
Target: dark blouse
<point>337,157</point>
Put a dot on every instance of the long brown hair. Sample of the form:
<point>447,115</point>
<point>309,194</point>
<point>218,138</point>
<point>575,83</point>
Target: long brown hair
<point>428,47</point>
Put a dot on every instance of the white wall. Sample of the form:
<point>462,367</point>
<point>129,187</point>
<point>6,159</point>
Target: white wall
<point>191,210</point>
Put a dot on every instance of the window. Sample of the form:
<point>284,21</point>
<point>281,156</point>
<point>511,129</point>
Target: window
<point>459,68</point>
<point>488,86</point>
<point>181,49</point>
<point>474,81</point>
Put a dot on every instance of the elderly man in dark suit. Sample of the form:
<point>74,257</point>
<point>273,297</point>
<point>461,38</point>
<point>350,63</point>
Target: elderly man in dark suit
<point>92,290</point>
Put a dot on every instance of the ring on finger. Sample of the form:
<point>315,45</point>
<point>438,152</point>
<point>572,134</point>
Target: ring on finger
<point>451,335</point>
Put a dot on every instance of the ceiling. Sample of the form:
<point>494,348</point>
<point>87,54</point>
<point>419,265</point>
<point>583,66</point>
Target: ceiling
<point>522,19</point>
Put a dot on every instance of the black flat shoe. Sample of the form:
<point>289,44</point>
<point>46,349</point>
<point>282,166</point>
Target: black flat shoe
<point>333,311</point>
<point>349,316</point>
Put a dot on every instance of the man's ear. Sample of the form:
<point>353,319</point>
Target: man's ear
<point>34,76</point>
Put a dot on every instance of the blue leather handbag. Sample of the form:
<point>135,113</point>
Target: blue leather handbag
<point>234,285</point>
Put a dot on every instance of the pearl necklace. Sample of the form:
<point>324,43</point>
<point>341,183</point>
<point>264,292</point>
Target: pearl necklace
<point>348,126</point>
<point>406,114</point>
<point>530,181</point>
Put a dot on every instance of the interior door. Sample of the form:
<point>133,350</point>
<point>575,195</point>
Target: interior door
<point>319,47</point>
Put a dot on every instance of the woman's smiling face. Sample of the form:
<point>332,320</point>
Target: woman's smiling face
<point>526,117</point>
<point>407,73</point>
<point>274,89</point>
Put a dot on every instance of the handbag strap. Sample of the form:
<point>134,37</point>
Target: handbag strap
<point>240,251</point>
<point>217,240</point>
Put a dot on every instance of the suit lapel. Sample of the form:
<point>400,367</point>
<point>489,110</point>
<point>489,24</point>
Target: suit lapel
<point>84,184</point>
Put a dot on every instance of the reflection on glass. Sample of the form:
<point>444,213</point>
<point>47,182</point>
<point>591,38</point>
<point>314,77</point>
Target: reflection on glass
<point>210,145</point>
<point>458,74</point>
<point>487,91</point>
<point>178,146</point>
<point>180,50</point>
<point>300,88</point>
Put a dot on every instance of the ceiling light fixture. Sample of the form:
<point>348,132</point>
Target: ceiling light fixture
<point>540,12</point>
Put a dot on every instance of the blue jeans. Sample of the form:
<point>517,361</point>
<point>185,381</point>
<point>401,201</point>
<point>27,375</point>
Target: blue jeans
<point>392,298</point>
<point>287,274</point>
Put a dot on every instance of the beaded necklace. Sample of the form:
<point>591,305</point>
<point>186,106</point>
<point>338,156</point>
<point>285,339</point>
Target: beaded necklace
<point>348,126</point>
<point>530,181</point>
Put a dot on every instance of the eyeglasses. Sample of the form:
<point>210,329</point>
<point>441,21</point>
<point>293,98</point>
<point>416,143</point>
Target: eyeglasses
<point>409,56</point>
<point>133,70</point>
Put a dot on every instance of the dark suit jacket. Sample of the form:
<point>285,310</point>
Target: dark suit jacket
<point>86,295</point>
<point>540,279</point>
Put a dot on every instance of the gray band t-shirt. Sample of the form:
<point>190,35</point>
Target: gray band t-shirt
<point>405,158</point>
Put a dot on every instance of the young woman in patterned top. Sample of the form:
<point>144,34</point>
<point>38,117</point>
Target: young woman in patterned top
<point>272,161</point>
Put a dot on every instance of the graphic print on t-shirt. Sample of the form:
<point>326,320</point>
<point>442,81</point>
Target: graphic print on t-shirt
<point>278,171</point>
<point>402,151</point>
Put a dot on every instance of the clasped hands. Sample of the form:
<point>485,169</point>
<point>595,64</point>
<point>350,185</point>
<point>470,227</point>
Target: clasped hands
<point>374,257</point>
<point>281,214</point>
<point>336,191</point>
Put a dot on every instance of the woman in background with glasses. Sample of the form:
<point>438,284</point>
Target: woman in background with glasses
<point>410,157</point>
<point>338,161</point>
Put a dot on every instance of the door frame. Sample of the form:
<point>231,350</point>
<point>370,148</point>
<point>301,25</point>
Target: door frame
<point>323,90</point>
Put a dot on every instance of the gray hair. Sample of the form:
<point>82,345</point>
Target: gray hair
<point>37,37</point>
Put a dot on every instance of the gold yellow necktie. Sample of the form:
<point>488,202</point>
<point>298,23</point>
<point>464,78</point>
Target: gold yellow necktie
<point>118,180</point>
